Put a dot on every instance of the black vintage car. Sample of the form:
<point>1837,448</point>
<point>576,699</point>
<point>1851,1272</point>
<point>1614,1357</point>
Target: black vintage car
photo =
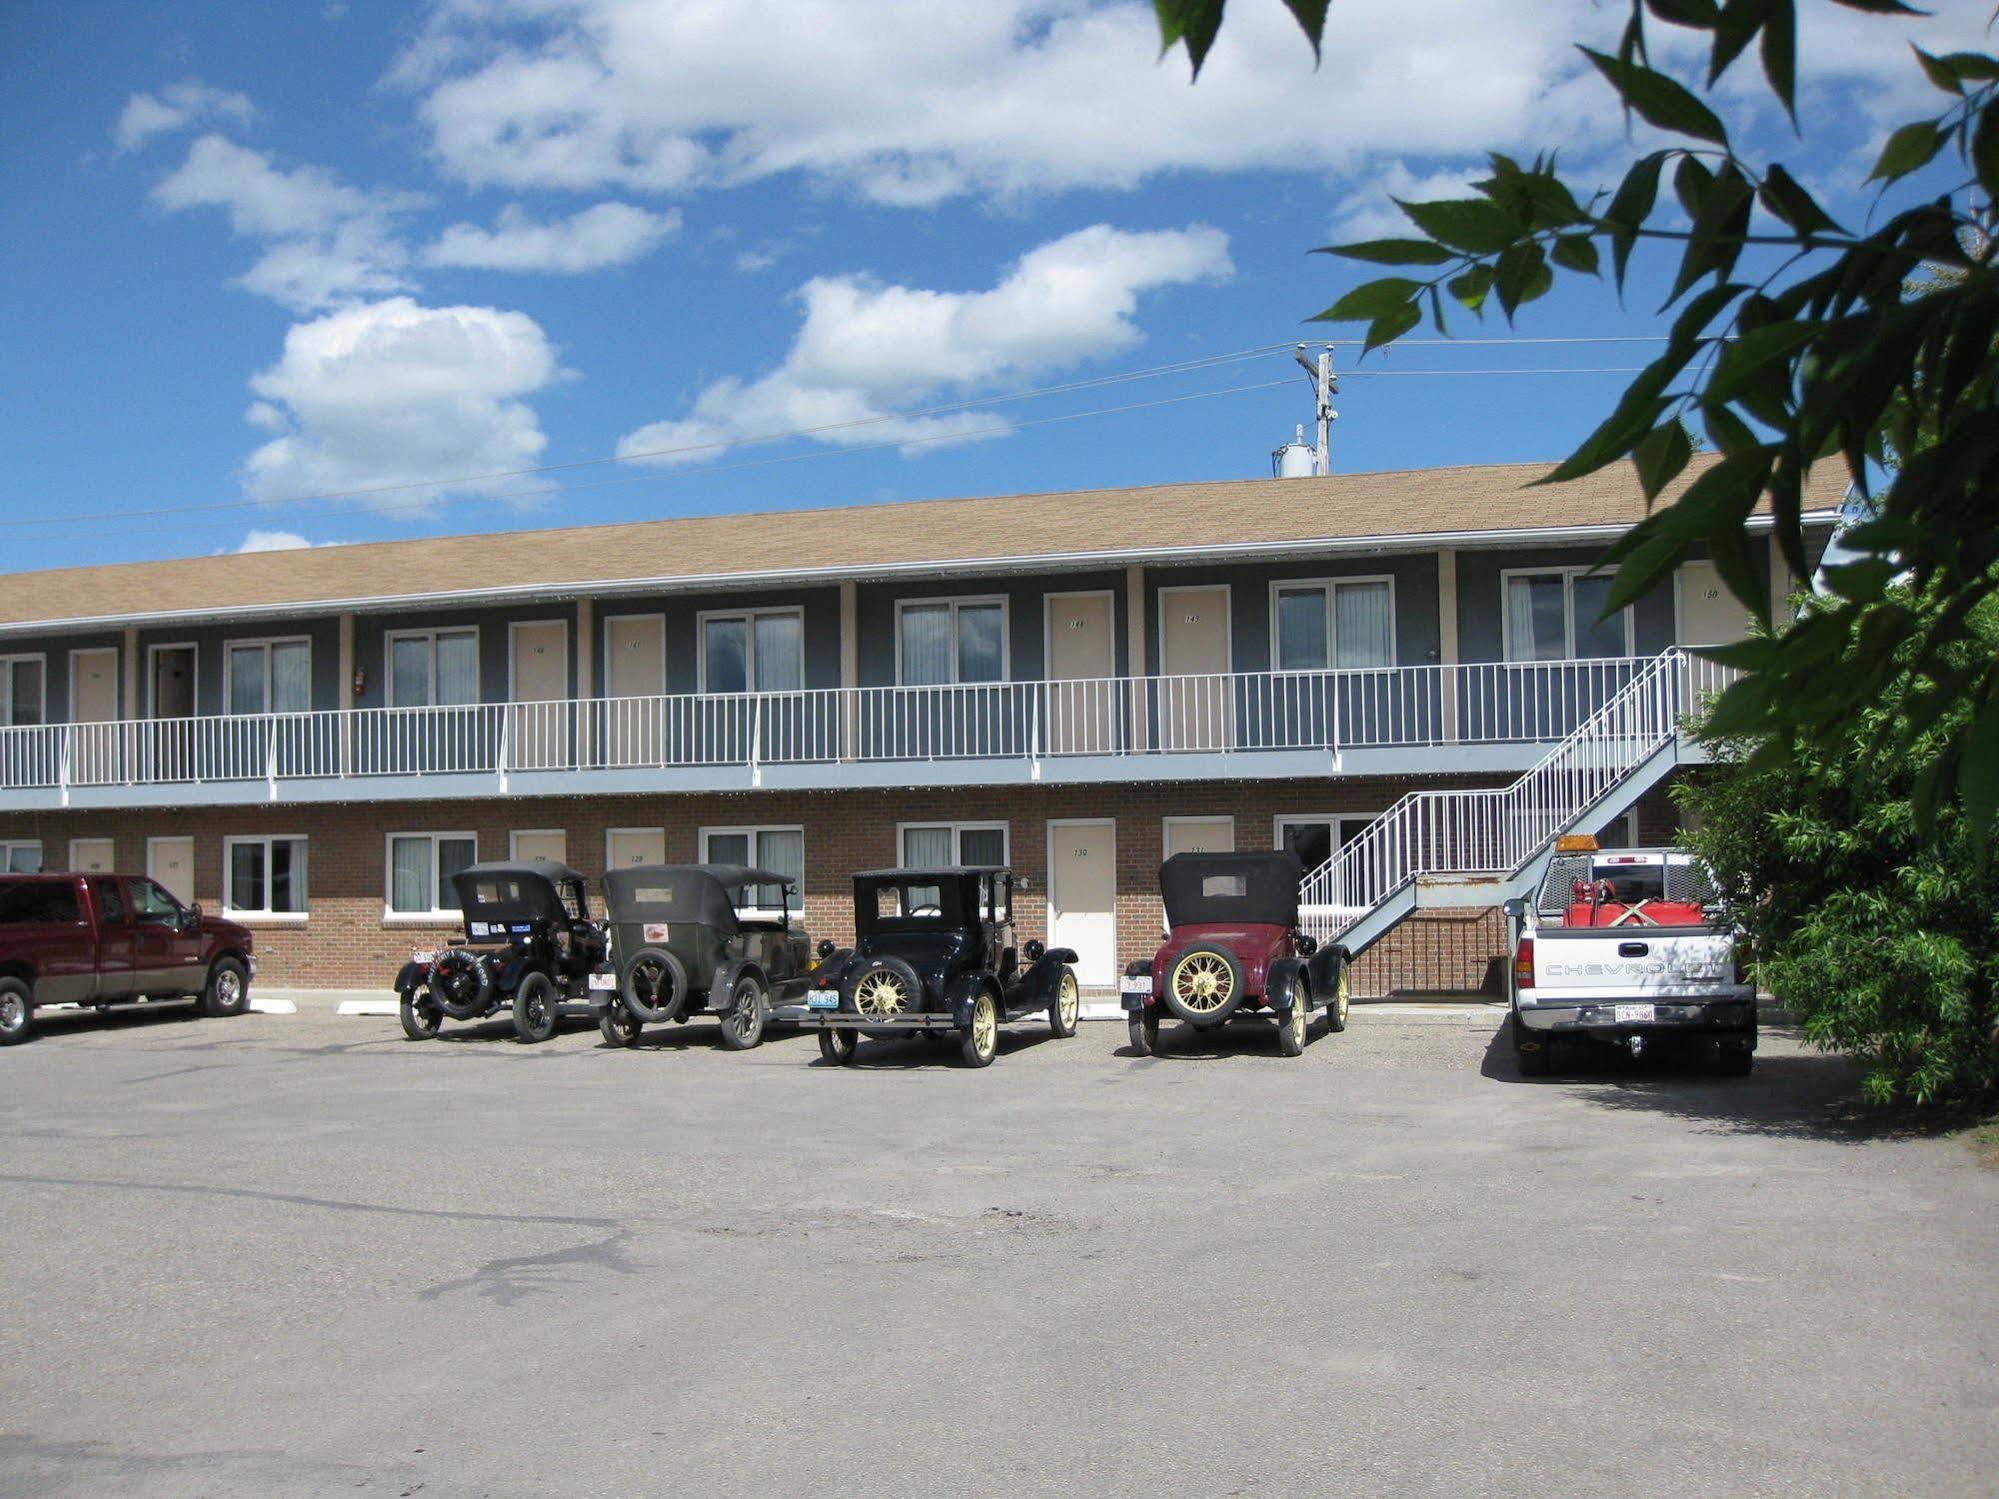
<point>529,945</point>
<point>682,943</point>
<point>934,953</point>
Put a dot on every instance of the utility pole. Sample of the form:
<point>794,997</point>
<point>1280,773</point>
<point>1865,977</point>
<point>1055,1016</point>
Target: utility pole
<point>1325,386</point>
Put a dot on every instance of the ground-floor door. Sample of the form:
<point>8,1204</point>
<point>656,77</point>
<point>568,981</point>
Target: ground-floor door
<point>170,862</point>
<point>1082,896</point>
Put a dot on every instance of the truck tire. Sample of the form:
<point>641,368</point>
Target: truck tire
<point>654,985</point>
<point>743,1026</point>
<point>422,1015</point>
<point>1067,1005</point>
<point>979,1041</point>
<point>1733,1061</point>
<point>619,1025</point>
<point>228,991</point>
<point>17,1012</point>
<point>1533,1062</point>
<point>534,1008</point>
<point>1204,984</point>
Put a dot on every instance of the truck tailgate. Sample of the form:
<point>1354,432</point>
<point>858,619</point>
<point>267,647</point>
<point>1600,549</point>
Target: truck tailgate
<point>1626,963</point>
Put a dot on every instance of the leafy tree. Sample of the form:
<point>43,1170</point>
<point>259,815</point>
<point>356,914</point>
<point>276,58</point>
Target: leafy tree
<point>1880,933</point>
<point>1795,341</point>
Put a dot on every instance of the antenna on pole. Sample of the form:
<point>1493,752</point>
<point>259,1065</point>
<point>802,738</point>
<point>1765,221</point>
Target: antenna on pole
<point>1325,385</point>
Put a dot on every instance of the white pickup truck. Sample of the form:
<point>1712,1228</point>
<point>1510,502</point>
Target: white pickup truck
<point>1628,947</point>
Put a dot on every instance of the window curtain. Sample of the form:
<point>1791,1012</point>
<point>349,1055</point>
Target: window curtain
<point>1363,625</point>
<point>782,851</point>
<point>982,846</point>
<point>926,848</point>
<point>25,693</point>
<point>291,677</point>
<point>1301,629</point>
<point>458,668</point>
<point>926,645</point>
<point>1534,623</point>
<point>409,673</point>
<point>981,654</point>
<point>727,665</point>
<point>780,653</point>
<point>409,874</point>
<point>246,876</point>
<point>1595,636</point>
<point>453,854</point>
<point>246,679</point>
<point>288,874</point>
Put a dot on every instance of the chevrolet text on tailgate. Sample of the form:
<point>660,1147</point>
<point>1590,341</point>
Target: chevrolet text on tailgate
<point>1628,947</point>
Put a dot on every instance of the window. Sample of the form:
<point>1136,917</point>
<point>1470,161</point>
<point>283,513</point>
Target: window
<point>934,845</point>
<point>21,698</point>
<point>950,640</point>
<point>780,850</point>
<point>420,869</point>
<point>756,651</point>
<point>1347,623</point>
<point>110,901</point>
<point>151,902</point>
<point>1554,616</point>
<point>39,900</point>
<point>266,876</point>
<point>268,676</point>
<point>1315,837</point>
<point>21,856</point>
<point>433,667</point>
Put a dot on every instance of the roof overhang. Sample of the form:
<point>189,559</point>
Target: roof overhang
<point>793,577</point>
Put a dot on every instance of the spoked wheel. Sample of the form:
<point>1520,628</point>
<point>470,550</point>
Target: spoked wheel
<point>743,1026</point>
<point>1204,986</point>
<point>1291,1026</point>
<point>1144,1028</point>
<point>839,1045</point>
<point>1067,1005</point>
<point>619,1025</point>
<point>1336,1012</point>
<point>422,1014</point>
<point>534,1008</point>
<point>980,1043</point>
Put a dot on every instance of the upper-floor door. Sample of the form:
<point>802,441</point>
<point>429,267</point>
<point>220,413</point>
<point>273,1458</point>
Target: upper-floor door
<point>1197,707</point>
<point>635,730</point>
<point>1707,613</point>
<point>539,677</point>
<point>93,701</point>
<point>1081,658</point>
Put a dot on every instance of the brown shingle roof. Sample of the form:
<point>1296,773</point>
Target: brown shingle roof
<point>1153,521</point>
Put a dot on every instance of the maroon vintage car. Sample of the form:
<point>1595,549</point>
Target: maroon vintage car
<point>1233,948</point>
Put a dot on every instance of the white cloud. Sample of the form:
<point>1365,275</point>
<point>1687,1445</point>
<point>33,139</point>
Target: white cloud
<point>606,235</point>
<point>274,541</point>
<point>865,348</point>
<point>176,107</point>
<point>395,393</point>
<point>328,242</point>
<point>1372,214</point>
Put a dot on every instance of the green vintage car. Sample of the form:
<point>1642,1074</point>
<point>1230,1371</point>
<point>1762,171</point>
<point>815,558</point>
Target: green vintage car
<point>689,939</point>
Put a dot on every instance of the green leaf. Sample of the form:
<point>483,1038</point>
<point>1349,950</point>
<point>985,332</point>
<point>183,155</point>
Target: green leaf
<point>1194,22</point>
<point>1782,195</point>
<point>1973,67</point>
<point>1393,252</point>
<point>1371,299</point>
<point>1469,224</point>
<point>1909,148</point>
<point>1985,149</point>
<point>1521,275</point>
<point>1780,54</point>
<point>1660,456</point>
<point>1576,252</point>
<point>1744,358</point>
<point>1939,72</point>
<point>1392,325</point>
<point>1471,287</point>
<point>1721,216</point>
<point>1630,206</point>
<point>1657,99</point>
<point>1978,772</point>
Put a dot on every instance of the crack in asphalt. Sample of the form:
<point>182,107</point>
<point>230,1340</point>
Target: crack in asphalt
<point>298,1199</point>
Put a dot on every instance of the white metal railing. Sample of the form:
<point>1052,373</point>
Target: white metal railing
<point>1224,713</point>
<point>1497,831</point>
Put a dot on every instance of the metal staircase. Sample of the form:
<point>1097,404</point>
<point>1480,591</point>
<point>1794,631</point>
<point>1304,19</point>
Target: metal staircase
<point>1479,848</point>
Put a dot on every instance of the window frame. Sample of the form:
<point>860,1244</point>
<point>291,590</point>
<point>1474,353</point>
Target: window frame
<point>390,915</point>
<point>1568,572</point>
<point>7,665</point>
<point>7,847</point>
<point>957,831</point>
<point>749,617</point>
<point>955,602</point>
<point>759,913</point>
<point>1326,587</point>
<point>264,915</point>
<point>1333,819</point>
<point>430,634</point>
<point>193,647</point>
<point>263,643</point>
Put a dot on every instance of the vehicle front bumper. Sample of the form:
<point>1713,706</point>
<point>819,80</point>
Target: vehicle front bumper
<point>1733,1015</point>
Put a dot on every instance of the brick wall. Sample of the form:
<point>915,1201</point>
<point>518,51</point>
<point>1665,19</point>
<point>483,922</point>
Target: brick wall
<point>347,944</point>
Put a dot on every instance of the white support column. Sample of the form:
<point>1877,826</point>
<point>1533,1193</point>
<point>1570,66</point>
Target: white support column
<point>1447,638</point>
<point>1134,645</point>
<point>1780,583</point>
<point>586,676</point>
<point>850,668</point>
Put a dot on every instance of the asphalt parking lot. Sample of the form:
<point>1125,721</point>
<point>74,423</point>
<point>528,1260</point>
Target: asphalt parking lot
<point>297,1254</point>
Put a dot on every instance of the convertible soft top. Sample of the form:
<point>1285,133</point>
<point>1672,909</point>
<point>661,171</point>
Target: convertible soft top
<point>683,892</point>
<point>515,889</point>
<point>1218,888</point>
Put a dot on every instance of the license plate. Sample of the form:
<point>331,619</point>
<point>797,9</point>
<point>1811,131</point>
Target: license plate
<point>603,981</point>
<point>1630,1014</point>
<point>423,957</point>
<point>1134,985</point>
<point>822,1001</point>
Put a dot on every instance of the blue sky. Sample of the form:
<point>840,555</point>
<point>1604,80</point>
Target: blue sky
<point>258,253</point>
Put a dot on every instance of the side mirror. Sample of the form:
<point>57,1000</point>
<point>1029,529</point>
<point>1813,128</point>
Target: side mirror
<point>1035,948</point>
<point>190,917</point>
<point>826,947</point>
<point>1513,909</point>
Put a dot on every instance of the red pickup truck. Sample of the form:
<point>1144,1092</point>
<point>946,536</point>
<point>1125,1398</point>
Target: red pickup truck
<point>107,939</point>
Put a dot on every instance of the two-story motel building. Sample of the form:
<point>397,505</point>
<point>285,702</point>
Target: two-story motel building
<point>1076,684</point>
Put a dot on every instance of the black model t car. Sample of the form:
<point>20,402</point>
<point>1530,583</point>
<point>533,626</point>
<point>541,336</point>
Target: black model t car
<point>1233,947</point>
<point>681,944</point>
<point>934,953</point>
<point>529,945</point>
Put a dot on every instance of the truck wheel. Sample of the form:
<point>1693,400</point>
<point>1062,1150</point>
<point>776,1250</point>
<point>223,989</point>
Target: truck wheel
<point>1067,1004</point>
<point>619,1025</point>
<point>1734,1061</point>
<point>17,1012</point>
<point>1533,1062</point>
<point>422,1014</point>
<point>1143,1027</point>
<point>1204,984</point>
<point>228,991</point>
<point>839,1045</point>
<point>1291,1026</point>
<point>980,1039</point>
<point>534,1008</point>
<point>1336,1012</point>
<point>743,1026</point>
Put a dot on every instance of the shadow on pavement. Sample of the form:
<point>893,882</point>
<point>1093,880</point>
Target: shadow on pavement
<point>1803,1096</point>
<point>53,1025</point>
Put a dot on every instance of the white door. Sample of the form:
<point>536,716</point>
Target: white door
<point>1709,613</point>
<point>625,847</point>
<point>93,699</point>
<point>1081,656</point>
<point>542,845</point>
<point>1199,835</point>
<point>634,674</point>
<point>540,675</point>
<point>1198,704</point>
<point>92,855</point>
<point>1082,896</point>
<point>170,862</point>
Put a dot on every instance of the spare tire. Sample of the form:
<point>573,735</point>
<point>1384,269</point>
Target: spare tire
<point>462,983</point>
<point>1203,984</point>
<point>883,988</point>
<point>654,984</point>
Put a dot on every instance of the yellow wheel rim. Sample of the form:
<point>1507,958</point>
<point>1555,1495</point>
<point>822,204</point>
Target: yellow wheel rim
<point>880,993</point>
<point>1071,1000</point>
<point>1298,1019</point>
<point>1202,982</point>
<point>1341,997</point>
<point>985,1024</point>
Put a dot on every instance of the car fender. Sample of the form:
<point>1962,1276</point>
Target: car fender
<point>721,993</point>
<point>1286,983</point>
<point>1324,968</point>
<point>964,990</point>
<point>1045,977</point>
<point>410,975</point>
